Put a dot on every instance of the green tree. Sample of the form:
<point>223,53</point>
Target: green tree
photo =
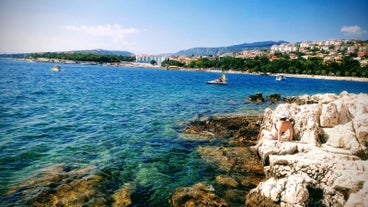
<point>153,62</point>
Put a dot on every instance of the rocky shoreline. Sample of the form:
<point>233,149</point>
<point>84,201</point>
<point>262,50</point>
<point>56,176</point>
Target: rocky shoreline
<point>240,169</point>
<point>325,165</point>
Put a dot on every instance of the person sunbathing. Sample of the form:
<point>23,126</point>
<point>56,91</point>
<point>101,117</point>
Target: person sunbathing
<point>278,129</point>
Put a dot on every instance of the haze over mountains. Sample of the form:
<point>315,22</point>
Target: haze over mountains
<point>197,51</point>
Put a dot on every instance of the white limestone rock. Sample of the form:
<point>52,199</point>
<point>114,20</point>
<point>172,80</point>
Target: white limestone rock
<point>343,136</point>
<point>305,120</point>
<point>332,130</point>
<point>330,115</point>
<point>356,103</point>
<point>324,98</point>
<point>360,124</point>
<point>272,188</point>
<point>296,192</point>
<point>273,147</point>
<point>359,198</point>
<point>343,112</point>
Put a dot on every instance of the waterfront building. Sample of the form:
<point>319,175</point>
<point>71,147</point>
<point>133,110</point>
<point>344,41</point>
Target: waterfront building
<point>148,58</point>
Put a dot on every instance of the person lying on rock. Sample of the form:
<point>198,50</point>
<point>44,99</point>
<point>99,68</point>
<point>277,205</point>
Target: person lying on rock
<point>278,129</point>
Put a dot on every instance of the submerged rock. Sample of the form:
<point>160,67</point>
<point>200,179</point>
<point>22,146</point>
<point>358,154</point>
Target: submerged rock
<point>232,159</point>
<point>236,128</point>
<point>239,169</point>
<point>122,197</point>
<point>60,185</point>
<point>274,97</point>
<point>199,194</point>
<point>256,98</point>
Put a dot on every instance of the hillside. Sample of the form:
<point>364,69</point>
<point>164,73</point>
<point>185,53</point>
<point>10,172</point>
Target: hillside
<point>104,52</point>
<point>198,51</point>
<point>95,51</point>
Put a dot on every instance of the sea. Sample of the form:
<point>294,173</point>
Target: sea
<point>122,122</point>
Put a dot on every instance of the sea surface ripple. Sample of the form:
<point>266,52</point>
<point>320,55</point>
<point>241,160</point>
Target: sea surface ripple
<point>123,121</point>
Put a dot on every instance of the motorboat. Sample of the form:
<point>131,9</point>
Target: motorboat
<point>219,81</point>
<point>280,77</point>
<point>216,82</point>
<point>56,68</point>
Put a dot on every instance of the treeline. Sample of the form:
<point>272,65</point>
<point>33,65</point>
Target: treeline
<point>313,66</point>
<point>84,57</point>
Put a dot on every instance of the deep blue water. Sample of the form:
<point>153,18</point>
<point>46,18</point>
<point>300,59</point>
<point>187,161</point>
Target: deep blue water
<point>124,121</point>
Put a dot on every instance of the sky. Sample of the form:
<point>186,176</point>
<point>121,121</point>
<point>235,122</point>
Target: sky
<point>168,26</point>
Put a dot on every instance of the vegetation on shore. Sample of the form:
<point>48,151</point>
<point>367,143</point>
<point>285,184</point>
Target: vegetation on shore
<point>348,66</point>
<point>84,57</point>
<point>261,64</point>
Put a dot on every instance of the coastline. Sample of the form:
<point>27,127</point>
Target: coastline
<point>148,65</point>
<point>357,79</point>
<point>340,78</point>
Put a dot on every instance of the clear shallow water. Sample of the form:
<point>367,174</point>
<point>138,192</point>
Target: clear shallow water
<point>123,121</point>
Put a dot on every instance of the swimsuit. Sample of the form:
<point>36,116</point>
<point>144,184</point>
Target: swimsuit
<point>271,135</point>
<point>278,129</point>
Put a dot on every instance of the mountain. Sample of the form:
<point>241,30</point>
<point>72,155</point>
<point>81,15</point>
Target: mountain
<point>16,55</point>
<point>95,51</point>
<point>198,51</point>
<point>103,52</point>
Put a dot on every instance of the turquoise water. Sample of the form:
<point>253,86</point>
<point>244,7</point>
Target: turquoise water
<point>123,121</point>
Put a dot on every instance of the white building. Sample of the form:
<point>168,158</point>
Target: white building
<point>149,58</point>
<point>284,47</point>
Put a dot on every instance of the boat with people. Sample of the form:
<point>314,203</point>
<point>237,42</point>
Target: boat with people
<point>56,68</point>
<point>280,77</point>
<point>219,81</point>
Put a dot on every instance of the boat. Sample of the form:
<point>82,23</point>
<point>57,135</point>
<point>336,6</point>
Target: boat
<point>56,68</point>
<point>219,81</point>
<point>280,77</point>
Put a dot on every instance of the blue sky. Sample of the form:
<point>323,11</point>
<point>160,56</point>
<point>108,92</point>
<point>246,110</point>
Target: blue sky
<point>166,26</point>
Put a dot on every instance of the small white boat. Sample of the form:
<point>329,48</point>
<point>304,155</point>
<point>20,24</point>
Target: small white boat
<point>280,77</point>
<point>219,81</point>
<point>56,68</point>
<point>216,82</point>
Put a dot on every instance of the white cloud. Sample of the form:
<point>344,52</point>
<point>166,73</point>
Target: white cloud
<point>352,30</point>
<point>114,31</point>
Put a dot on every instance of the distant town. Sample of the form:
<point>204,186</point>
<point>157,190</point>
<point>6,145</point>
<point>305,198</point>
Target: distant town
<point>330,50</point>
<point>347,58</point>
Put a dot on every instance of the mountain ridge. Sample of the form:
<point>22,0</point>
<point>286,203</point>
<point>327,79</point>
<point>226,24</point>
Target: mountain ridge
<point>198,51</point>
<point>104,52</point>
<point>93,51</point>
